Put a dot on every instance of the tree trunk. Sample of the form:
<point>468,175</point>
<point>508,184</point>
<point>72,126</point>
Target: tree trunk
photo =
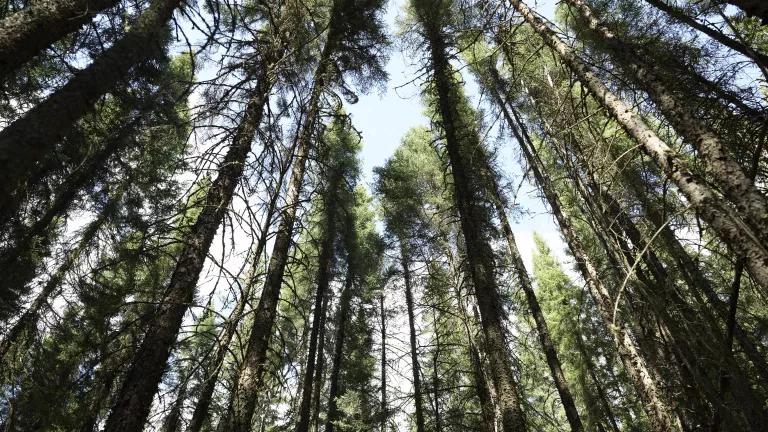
<point>338,349</point>
<point>24,34</point>
<point>325,263</point>
<point>726,172</point>
<point>660,415</point>
<point>384,407</point>
<point>472,216</point>
<point>31,316</point>
<point>724,220</point>
<point>249,377</point>
<point>555,367</point>
<point>141,381</point>
<point>33,137</point>
<point>418,402</point>
<point>23,255</point>
<point>200,413</point>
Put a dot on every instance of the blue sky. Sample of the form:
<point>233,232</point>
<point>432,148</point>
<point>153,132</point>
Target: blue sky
<point>383,118</point>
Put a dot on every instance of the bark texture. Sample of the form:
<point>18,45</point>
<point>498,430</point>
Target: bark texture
<point>33,137</point>
<point>133,402</point>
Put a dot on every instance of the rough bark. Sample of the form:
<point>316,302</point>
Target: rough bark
<point>141,381</point>
<point>33,137</point>
<point>724,220</point>
<point>249,377</point>
<point>472,216</point>
<point>201,411</point>
<point>24,34</point>
<point>547,345</point>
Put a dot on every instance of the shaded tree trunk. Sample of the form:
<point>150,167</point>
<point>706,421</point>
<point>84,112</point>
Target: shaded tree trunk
<point>384,403</point>
<point>24,34</point>
<point>33,137</point>
<point>461,144</point>
<point>542,329</point>
<point>338,350</point>
<point>143,377</point>
<point>754,8</point>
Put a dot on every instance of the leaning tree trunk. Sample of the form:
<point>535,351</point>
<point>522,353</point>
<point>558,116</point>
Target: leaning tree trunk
<point>31,316</point>
<point>418,397</point>
<point>724,220</point>
<point>338,351</point>
<point>555,367</point>
<point>660,415</point>
<point>33,137</point>
<point>201,411</point>
<point>472,216</point>
<point>249,377</point>
<point>141,381</point>
<point>23,255</point>
<point>726,172</point>
<point>24,34</point>
<point>325,263</point>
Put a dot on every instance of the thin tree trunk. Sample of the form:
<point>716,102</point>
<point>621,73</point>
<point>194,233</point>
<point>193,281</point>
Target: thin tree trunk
<point>338,348</point>
<point>320,368</point>
<point>201,411</point>
<point>325,263</point>
<point>24,34</point>
<point>480,256</point>
<point>660,415</point>
<point>140,383</point>
<point>172,421</point>
<point>732,178</point>
<point>249,377</point>
<point>30,316</point>
<point>436,374</point>
<point>601,395</point>
<point>23,255</point>
<point>417,390</point>
<point>722,218</point>
<point>384,407</point>
<point>555,367</point>
<point>33,137</point>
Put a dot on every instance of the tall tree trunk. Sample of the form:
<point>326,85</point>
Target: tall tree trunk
<point>201,411</point>
<point>320,368</point>
<point>659,413</point>
<point>601,394</point>
<point>143,377</point>
<point>418,401</point>
<point>555,367</point>
<point>249,377</point>
<point>436,374</point>
<point>33,137</point>
<point>724,220</point>
<point>726,172</point>
<point>24,34</point>
<point>338,348</point>
<point>480,259</point>
<point>325,263</point>
<point>172,421</point>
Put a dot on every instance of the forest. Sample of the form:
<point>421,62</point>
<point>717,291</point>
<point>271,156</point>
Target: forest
<point>196,233</point>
